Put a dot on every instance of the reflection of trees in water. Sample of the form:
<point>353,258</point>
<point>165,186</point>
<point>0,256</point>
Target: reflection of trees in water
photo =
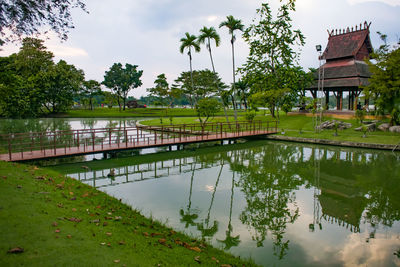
<point>206,230</point>
<point>8,126</point>
<point>189,216</point>
<point>230,241</point>
<point>268,188</point>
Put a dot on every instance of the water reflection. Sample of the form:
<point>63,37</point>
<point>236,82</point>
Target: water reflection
<point>280,203</point>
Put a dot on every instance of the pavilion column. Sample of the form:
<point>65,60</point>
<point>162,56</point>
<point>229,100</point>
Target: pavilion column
<point>340,94</point>
<point>350,104</point>
<point>327,99</point>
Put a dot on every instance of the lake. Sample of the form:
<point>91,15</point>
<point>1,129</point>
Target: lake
<point>282,204</point>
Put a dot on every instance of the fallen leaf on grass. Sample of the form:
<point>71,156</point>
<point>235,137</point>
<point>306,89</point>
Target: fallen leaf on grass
<point>73,209</point>
<point>74,219</point>
<point>162,241</point>
<point>71,193</point>
<point>15,250</point>
<point>145,233</point>
<point>60,205</point>
<point>197,249</point>
<point>116,261</point>
<point>4,177</point>
<point>109,234</point>
<point>214,259</point>
<point>117,218</point>
<point>105,223</point>
<point>226,265</point>
<point>19,186</point>
<point>57,231</point>
<point>69,236</point>
<point>54,224</point>
<point>155,234</point>
<point>95,221</point>
<point>103,243</point>
<point>40,178</point>
<point>121,242</point>
<point>86,194</point>
<point>197,258</point>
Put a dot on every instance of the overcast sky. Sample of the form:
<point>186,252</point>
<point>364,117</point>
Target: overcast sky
<point>147,33</point>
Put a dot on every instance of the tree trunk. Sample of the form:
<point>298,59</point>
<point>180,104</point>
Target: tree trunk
<point>216,80</point>
<point>191,76</point>
<point>233,85</point>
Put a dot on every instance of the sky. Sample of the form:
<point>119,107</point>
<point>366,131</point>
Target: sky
<point>147,33</point>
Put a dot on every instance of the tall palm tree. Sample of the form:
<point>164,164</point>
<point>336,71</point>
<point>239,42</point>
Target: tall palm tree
<point>233,24</point>
<point>190,42</point>
<point>208,34</point>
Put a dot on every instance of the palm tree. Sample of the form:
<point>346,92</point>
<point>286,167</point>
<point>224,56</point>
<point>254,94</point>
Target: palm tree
<point>233,24</point>
<point>208,34</point>
<point>189,42</point>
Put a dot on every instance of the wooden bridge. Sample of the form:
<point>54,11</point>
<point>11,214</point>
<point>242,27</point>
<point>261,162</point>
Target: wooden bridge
<point>44,145</point>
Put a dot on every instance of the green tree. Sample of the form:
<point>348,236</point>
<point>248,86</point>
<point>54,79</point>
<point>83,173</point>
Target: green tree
<point>122,80</point>
<point>89,90</point>
<point>27,17</point>
<point>205,84</point>
<point>161,88</point>
<point>59,85</point>
<point>206,36</point>
<point>31,84</point>
<point>189,43</point>
<point>384,84</point>
<point>207,107</point>
<point>271,64</point>
<point>233,25</point>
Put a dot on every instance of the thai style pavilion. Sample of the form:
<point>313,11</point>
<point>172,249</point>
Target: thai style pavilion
<point>344,69</point>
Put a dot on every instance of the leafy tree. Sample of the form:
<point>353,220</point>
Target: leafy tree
<point>109,98</point>
<point>59,85</point>
<point>270,65</point>
<point>233,25</point>
<point>208,34</point>
<point>384,84</point>
<point>27,17</point>
<point>207,107</point>
<point>122,80</point>
<point>189,43</point>
<point>205,84</point>
<point>243,90</point>
<point>89,90</point>
<point>31,84</point>
<point>161,88</point>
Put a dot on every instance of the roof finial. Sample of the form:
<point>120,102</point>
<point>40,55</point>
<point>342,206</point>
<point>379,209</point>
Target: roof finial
<point>340,31</point>
<point>336,31</point>
<point>347,30</point>
<point>352,29</point>
<point>356,28</point>
<point>360,27</point>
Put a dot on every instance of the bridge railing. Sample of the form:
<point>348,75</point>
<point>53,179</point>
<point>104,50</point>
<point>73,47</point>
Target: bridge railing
<point>86,140</point>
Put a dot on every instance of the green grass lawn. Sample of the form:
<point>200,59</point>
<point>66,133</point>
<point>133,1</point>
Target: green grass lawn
<point>58,221</point>
<point>292,125</point>
<point>137,112</point>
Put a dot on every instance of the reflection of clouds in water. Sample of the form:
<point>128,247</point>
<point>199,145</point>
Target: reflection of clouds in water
<point>209,188</point>
<point>378,252</point>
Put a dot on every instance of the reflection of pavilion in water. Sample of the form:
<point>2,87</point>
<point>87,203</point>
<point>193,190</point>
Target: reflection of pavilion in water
<point>338,197</point>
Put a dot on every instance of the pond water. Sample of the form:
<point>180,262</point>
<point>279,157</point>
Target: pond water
<point>281,204</point>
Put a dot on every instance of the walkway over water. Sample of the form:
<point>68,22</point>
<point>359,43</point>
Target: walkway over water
<point>44,145</point>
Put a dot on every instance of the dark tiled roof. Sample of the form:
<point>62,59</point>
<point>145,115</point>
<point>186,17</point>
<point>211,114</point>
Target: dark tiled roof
<point>341,83</point>
<point>345,45</point>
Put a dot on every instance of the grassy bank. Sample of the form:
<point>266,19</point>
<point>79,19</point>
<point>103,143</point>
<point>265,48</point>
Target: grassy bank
<point>59,221</point>
<point>136,112</point>
<point>303,126</point>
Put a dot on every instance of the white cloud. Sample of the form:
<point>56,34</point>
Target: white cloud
<point>64,51</point>
<point>389,2</point>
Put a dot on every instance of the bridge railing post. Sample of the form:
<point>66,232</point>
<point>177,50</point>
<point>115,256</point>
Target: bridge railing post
<point>9,146</point>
